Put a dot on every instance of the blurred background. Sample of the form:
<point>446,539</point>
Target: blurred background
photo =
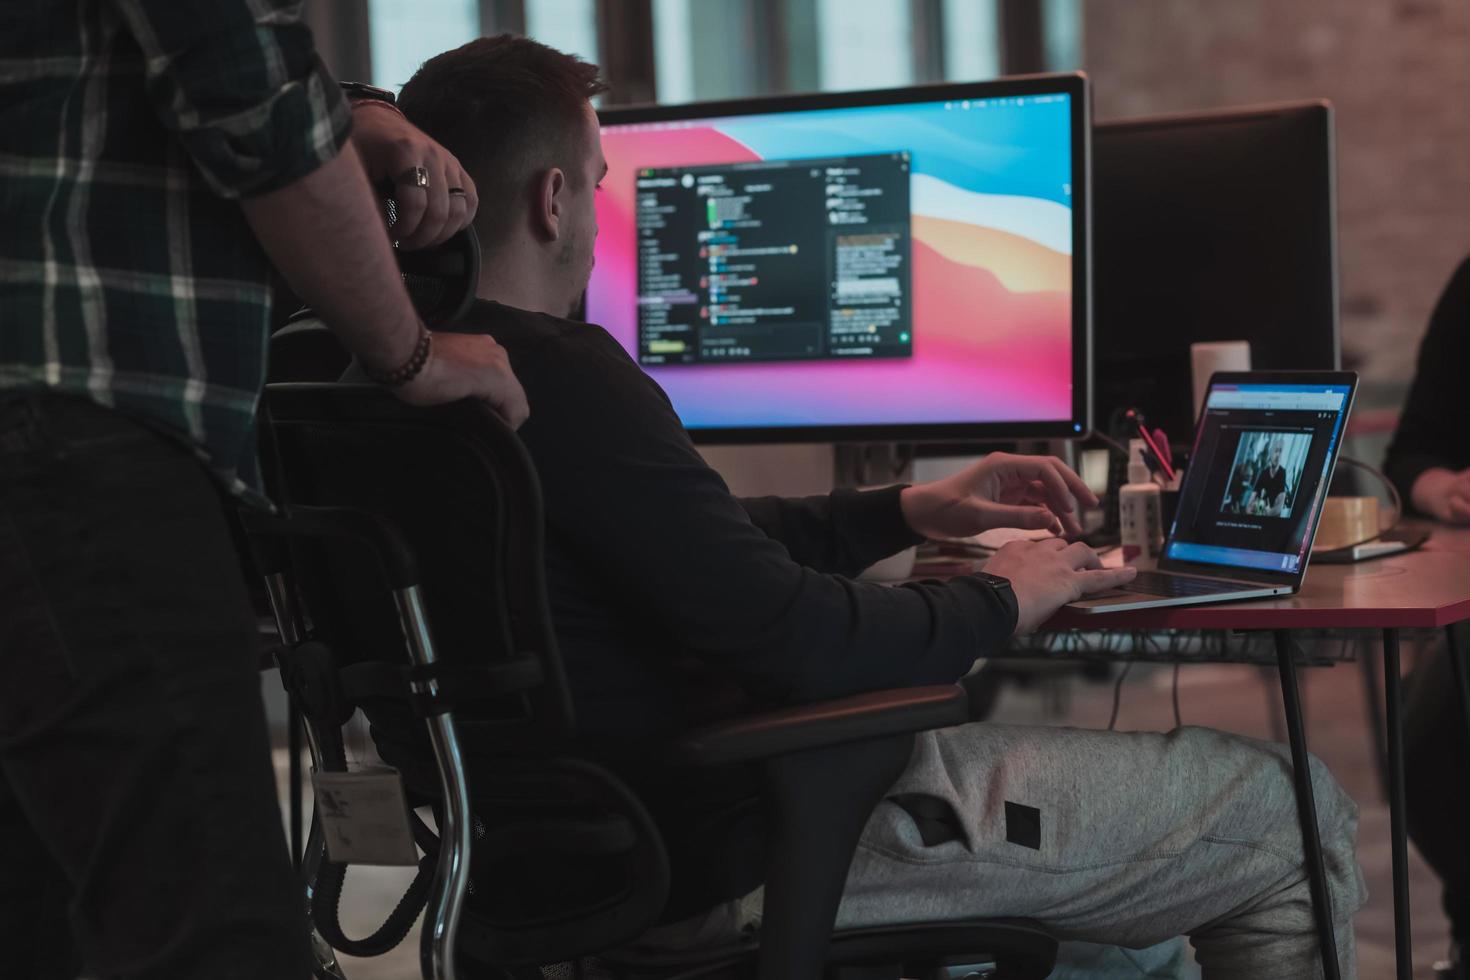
<point>1395,69</point>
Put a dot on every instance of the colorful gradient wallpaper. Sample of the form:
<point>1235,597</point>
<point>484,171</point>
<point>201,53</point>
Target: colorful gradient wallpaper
<point>992,242</point>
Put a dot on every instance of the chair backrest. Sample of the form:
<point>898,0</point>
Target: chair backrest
<point>441,281</point>
<point>305,350</point>
<point>566,860</point>
<point>461,490</point>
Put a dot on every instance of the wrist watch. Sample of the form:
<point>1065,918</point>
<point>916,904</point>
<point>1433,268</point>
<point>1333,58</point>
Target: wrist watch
<point>1001,587</point>
<point>358,91</point>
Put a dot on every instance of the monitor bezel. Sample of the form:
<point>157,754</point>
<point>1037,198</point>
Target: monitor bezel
<point>1073,84</point>
<point>1348,379</point>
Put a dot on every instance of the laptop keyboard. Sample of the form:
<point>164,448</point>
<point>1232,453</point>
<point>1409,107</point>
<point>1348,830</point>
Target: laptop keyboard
<point>1174,586</point>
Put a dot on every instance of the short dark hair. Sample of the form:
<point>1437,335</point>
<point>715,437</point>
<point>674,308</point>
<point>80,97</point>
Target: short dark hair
<point>508,108</point>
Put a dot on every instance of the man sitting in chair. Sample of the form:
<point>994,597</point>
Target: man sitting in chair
<point>669,593</point>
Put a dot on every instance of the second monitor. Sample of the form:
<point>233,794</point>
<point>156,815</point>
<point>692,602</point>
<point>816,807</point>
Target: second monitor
<point>1209,226</point>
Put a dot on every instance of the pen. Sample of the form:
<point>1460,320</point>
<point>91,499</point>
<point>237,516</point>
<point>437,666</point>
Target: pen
<point>1136,417</point>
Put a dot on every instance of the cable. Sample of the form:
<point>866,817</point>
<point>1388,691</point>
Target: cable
<point>1118,695</point>
<point>1110,442</point>
<point>1178,721</point>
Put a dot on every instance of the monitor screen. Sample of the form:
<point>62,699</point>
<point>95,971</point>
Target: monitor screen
<point>1210,226</point>
<point>1262,459</point>
<point>906,264</point>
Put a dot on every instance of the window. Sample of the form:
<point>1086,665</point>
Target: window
<point>673,51</point>
<point>567,25</point>
<point>1063,26</point>
<point>865,43</point>
<point>406,33</point>
<point>731,49</point>
<point>971,40</point>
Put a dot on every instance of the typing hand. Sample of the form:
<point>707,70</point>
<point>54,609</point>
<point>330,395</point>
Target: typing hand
<point>1444,494</point>
<point>1001,490</point>
<point>391,148</point>
<point>1046,575</point>
<point>468,366</point>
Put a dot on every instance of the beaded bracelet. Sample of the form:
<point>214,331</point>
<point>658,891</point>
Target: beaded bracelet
<point>410,370</point>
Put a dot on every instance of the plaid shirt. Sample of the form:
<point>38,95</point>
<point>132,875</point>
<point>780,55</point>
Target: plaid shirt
<point>128,130</point>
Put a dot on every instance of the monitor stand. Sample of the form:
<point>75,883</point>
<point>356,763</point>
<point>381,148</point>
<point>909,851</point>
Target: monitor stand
<point>871,464</point>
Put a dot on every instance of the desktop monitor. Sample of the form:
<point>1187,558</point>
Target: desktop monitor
<point>1210,226</point>
<point>899,265</point>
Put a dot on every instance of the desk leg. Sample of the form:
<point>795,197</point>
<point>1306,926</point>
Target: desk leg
<point>1367,664</point>
<point>1462,678</point>
<point>1397,829</point>
<point>1306,807</point>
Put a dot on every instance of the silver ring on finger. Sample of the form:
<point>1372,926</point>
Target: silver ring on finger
<point>414,177</point>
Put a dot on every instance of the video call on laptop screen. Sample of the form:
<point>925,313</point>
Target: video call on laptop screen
<point>1263,453</point>
<point>899,264</point>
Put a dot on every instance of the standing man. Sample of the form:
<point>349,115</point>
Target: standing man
<point>156,158</point>
<point>1269,494</point>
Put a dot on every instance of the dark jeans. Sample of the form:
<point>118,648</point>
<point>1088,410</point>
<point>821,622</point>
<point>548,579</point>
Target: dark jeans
<point>135,776</point>
<point>1437,777</point>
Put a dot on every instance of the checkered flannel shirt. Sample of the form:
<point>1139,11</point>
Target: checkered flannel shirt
<point>129,129</point>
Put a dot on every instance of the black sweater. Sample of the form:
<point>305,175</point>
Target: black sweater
<point>669,593</point>
<point>1433,428</point>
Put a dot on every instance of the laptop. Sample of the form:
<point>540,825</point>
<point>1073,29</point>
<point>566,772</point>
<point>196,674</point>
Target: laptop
<point>1264,451</point>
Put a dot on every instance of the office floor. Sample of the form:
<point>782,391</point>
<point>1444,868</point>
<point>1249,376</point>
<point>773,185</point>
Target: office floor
<point>1231,698</point>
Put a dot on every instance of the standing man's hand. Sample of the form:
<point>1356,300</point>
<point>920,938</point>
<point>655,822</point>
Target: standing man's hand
<point>393,150</point>
<point>1046,575</point>
<point>468,366</point>
<point>1001,490</point>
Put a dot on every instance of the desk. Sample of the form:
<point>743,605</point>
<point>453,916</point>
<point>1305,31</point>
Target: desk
<point>1426,588</point>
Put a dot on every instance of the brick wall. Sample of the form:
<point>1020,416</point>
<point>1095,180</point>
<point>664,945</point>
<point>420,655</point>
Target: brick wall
<point>1398,72</point>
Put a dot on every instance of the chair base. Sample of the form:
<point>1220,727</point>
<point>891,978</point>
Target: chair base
<point>1006,949</point>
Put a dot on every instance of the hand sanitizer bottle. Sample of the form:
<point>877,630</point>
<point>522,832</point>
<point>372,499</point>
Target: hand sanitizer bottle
<point>1142,530</point>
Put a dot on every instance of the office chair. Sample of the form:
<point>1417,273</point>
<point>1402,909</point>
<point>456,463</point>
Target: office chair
<point>412,587</point>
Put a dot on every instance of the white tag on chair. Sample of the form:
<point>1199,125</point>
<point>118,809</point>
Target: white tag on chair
<point>364,817</point>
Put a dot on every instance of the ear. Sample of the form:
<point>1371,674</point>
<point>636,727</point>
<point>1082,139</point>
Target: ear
<point>548,203</point>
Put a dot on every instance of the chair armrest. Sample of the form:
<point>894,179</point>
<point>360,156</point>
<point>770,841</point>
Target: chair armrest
<point>823,723</point>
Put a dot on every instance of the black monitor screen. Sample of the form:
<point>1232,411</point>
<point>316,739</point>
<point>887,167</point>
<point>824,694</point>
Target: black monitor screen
<point>1213,226</point>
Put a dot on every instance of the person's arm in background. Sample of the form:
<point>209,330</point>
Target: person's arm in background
<point>242,88</point>
<point>1430,452</point>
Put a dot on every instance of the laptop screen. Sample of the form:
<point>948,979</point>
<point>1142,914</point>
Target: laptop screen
<point>1263,454</point>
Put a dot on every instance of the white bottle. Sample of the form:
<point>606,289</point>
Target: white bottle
<point>1139,520</point>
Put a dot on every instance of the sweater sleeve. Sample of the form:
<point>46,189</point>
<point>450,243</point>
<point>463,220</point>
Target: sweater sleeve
<point>843,532</point>
<point>1431,430</point>
<point>659,527</point>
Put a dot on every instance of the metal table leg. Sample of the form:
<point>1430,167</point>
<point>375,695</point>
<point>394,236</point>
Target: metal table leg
<point>1462,679</point>
<point>1306,807</point>
<point>1397,829</point>
<point>1378,732</point>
